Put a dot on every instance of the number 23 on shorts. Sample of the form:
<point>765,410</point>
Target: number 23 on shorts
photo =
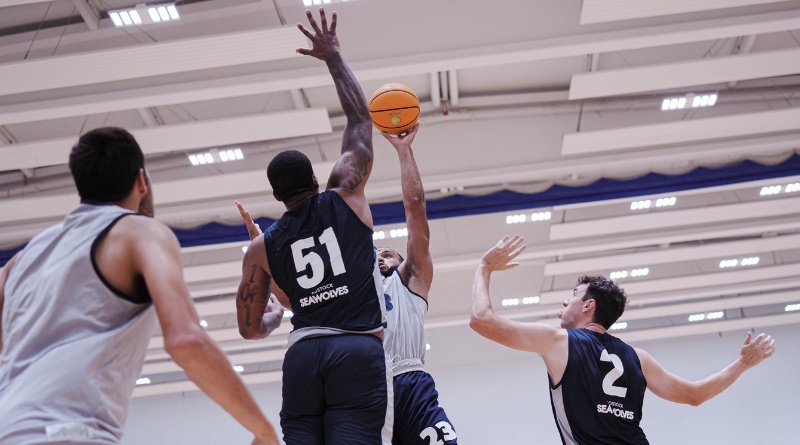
<point>432,433</point>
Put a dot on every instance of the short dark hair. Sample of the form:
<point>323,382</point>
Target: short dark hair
<point>105,163</point>
<point>610,299</point>
<point>289,174</point>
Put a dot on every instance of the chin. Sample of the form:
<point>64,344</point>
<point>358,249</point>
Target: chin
<point>388,272</point>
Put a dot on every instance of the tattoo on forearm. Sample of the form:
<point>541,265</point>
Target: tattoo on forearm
<point>353,170</point>
<point>253,274</point>
<point>247,315</point>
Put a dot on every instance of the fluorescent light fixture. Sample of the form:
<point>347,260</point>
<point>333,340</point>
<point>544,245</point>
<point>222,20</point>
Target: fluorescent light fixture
<point>697,101</point>
<point>530,300</point>
<point>380,234</point>
<point>510,302</point>
<point>792,307</point>
<point>795,187</point>
<point>619,325</point>
<point>770,190</point>
<point>398,233</point>
<point>203,324</point>
<point>640,272</point>
<point>238,368</point>
<point>715,315</point>
<point>752,261</point>
<point>126,18</point>
<point>666,202</point>
<point>137,15</point>
<point>638,205</point>
<point>209,158</point>
<point>193,159</point>
<point>306,2</point>
<point>541,216</point>
<point>619,274</point>
<point>427,346</point>
<point>116,19</point>
<point>227,155</point>
<point>173,12</point>
<point>697,317</point>
<point>143,381</point>
<point>728,263</point>
<point>153,13</point>
<point>516,219</point>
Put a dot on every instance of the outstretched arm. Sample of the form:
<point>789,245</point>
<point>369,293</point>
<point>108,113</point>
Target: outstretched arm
<point>3,277</point>
<point>156,257</point>
<point>417,269</point>
<point>351,171</point>
<point>670,387</point>
<point>532,337</point>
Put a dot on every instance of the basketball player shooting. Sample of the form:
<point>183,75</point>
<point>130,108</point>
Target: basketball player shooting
<point>418,418</point>
<point>597,381</point>
<point>324,266</point>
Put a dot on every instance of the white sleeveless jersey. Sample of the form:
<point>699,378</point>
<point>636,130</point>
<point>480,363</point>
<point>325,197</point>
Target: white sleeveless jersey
<point>72,347</point>
<point>404,339</point>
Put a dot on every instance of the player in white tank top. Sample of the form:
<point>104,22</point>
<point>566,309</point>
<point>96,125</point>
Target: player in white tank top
<point>78,309</point>
<point>418,417</point>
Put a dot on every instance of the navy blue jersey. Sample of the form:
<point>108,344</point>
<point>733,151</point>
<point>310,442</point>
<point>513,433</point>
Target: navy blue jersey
<point>321,255</point>
<point>599,399</point>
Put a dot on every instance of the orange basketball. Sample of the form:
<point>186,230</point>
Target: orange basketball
<point>394,108</point>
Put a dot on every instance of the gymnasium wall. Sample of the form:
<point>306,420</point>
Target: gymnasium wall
<point>495,395</point>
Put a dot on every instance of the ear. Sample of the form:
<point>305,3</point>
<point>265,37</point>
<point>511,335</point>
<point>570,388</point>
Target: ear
<point>315,182</point>
<point>141,182</point>
<point>589,305</point>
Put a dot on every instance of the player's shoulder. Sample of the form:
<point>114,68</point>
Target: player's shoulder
<point>143,228</point>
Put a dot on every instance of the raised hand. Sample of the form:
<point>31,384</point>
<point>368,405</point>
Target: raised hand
<point>500,256</point>
<point>324,43</point>
<point>404,139</point>
<point>253,229</point>
<point>755,351</point>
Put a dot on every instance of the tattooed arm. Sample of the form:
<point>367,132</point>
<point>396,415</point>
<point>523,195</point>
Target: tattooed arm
<point>351,171</point>
<point>257,312</point>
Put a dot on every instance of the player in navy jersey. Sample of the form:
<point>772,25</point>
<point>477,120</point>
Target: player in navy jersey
<point>597,382</point>
<point>318,259</point>
<point>418,418</point>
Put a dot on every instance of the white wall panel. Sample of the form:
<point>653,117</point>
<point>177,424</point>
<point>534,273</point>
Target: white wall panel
<point>599,11</point>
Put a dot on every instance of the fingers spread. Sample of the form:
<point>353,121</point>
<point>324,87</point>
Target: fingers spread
<point>323,20</point>
<point>305,31</point>
<point>313,22</point>
<point>333,23</point>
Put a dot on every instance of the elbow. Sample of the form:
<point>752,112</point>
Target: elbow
<point>248,333</point>
<point>185,345</point>
<point>478,321</point>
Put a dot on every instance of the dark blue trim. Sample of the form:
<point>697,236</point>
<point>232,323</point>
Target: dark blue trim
<point>504,201</point>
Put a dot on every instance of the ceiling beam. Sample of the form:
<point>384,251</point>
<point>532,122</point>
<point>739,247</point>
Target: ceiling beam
<point>179,137</point>
<point>600,11</point>
<point>189,386</point>
<point>721,250</point>
<point>671,133</point>
<point>676,218</point>
<point>6,3</point>
<point>88,13</point>
<point>684,74</point>
<point>410,65</point>
<point>150,60</point>
<point>743,324</point>
<point>638,290</point>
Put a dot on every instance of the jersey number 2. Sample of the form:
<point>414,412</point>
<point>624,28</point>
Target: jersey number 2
<point>432,434</point>
<point>613,375</point>
<point>328,238</point>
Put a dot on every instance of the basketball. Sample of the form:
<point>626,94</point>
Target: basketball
<point>394,108</point>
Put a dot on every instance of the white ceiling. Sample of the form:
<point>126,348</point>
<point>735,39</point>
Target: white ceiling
<point>495,81</point>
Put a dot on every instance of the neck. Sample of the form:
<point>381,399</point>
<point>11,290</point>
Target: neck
<point>296,200</point>
<point>596,327</point>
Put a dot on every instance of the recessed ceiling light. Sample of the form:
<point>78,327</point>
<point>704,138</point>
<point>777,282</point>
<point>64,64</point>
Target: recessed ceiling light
<point>142,381</point>
<point>380,234</point>
<point>238,368</point>
<point>619,325</point>
<point>203,324</point>
<point>792,307</point>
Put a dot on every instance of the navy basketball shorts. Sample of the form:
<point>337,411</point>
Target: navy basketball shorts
<point>418,418</point>
<point>336,390</point>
